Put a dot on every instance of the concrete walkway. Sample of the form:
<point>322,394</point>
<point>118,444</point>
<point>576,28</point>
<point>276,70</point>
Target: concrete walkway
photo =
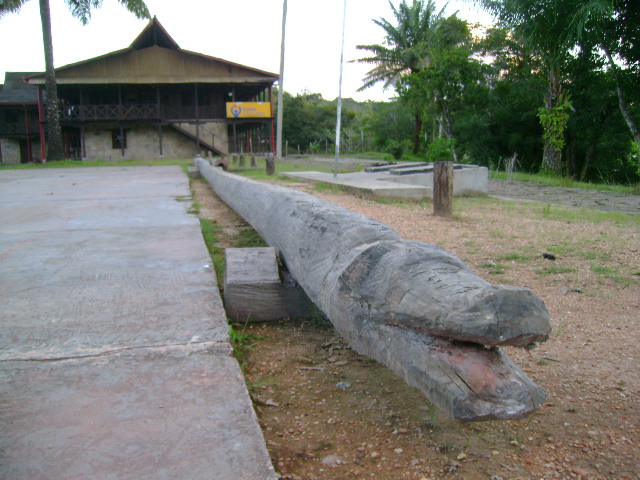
<point>114,354</point>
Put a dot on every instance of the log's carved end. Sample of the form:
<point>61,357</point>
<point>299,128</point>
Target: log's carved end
<point>426,289</point>
<point>465,380</point>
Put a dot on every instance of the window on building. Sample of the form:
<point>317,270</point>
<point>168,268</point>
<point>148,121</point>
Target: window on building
<point>118,139</point>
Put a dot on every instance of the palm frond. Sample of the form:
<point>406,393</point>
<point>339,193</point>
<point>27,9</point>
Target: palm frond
<point>10,6</point>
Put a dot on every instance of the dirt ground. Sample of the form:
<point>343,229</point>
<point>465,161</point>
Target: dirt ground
<point>329,413</point>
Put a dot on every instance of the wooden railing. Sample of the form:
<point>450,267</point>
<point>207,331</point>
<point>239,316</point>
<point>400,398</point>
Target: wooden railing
<point>150,111</point>
<point>18,128</point>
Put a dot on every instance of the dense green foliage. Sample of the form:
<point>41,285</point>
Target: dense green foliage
<point>554,83</point>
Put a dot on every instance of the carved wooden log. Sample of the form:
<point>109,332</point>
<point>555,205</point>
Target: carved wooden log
<point>409,305</point>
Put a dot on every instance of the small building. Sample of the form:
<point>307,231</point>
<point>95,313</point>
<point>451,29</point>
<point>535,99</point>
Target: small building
<point>154,100</point>
<point>19,124</point>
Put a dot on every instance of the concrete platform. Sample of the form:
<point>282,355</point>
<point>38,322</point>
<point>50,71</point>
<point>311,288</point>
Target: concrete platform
<point>365,184</point>
<point>413,181</point>
<point>114,354</point>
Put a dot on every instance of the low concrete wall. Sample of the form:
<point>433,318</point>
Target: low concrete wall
<point>142,143</point>
<point>10,150</point>
<point>466,181</point>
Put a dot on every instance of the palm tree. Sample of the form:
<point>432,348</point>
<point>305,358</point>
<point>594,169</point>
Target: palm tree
<point>551,29</point>
<point>406,50</point>
<point>81,9</point>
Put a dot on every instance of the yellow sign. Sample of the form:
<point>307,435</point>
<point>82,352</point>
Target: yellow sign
<point>248,110</point>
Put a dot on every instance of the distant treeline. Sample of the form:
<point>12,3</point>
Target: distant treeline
<point>559,97</point>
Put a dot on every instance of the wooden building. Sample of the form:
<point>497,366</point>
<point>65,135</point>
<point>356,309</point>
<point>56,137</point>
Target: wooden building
<point>19,125</point>
<point>154,99</point>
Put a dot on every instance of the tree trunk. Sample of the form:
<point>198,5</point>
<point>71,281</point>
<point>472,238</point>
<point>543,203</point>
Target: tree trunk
<point>622,102</point>
<point>552,156</point>
<point>416,133</point>
<point>593,141</point>
<point>55,150</point>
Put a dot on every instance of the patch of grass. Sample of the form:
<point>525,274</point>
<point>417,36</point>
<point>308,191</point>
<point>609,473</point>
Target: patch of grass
<point>494,268</point>
<point>583,215</point>
<point>327,187</point>
<point>241,344</point>
<point>250,238</point>
<point>515,257</point>
<point>563,248</point>
<point>555,270</point>
<point>558,181</point>
<point>496,233</point>
<point>259,384</point>
<point>282,166</point>
<point>210,232</point>
<point>195,208</point>
<point>600,270</point>
<point>601,257</point>
<point>613,274</point>
<point>97,163</point>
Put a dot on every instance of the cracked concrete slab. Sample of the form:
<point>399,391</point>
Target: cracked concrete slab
<point>114,354</point>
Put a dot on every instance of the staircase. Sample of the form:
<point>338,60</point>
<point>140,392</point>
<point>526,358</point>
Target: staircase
<point>190,131</point>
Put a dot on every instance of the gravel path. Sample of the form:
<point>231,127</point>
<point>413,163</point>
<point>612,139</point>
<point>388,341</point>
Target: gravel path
<point>574,197</point>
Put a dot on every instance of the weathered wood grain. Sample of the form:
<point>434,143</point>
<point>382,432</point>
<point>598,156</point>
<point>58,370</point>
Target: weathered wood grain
<point>406,304</point>
<point>443,189</point>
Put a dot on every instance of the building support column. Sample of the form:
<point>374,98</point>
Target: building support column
<point>197,121</point>
<point>235,132</point>
<point>83,147</point>
<point>159,120</point>
<point>26,124</point>
<point>273,132</point>
<point>83,141</point>
<point>120,110</point>
<point>41,123</point>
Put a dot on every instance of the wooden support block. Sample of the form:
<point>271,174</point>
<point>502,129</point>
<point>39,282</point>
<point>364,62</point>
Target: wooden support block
<point>254,292</point>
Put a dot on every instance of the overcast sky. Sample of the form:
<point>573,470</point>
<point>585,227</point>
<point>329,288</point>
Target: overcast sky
<point>242,31</point>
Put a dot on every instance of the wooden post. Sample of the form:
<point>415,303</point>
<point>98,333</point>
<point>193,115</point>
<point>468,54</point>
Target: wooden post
<point>271,165</point>
<point>254,162</point>
<point>443,189</point>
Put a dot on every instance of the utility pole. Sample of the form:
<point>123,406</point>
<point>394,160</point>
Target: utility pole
<point>339,119</point>
<point>281,85</point>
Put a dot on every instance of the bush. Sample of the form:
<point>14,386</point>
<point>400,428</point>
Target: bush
<point>396,148</point>
<point>440,150</point>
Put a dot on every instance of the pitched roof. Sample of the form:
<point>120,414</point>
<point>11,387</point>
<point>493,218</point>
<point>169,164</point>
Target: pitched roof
<point>16,92</point>
<point>154,57</point>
